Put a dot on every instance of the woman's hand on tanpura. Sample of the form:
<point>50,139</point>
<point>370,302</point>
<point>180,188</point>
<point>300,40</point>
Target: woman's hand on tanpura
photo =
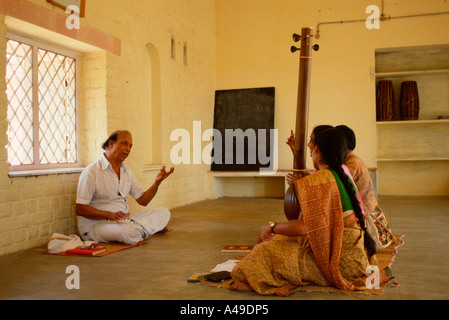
<point>291,141</point>
<point>291,178</point>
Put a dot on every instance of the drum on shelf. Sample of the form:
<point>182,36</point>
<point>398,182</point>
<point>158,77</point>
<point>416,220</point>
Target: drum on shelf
<point>385,100</point>
<point>409,100</point>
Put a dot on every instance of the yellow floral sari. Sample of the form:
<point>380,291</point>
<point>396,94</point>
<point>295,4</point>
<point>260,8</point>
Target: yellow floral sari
<point>331,254</point>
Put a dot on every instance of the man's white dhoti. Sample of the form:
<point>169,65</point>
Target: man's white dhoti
<point>132,230</point>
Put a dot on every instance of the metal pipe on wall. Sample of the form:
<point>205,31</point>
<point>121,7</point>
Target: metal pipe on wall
<point>383,17</point>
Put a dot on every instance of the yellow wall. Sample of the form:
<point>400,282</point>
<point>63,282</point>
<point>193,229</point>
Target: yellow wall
<point>253,50</point>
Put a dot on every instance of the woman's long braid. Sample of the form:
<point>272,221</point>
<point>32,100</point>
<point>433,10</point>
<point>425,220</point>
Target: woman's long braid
<point>369,242</point>
<point>333,146</point>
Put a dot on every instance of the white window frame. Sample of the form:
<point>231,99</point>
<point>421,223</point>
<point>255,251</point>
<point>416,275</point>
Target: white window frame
<point>48,168</point>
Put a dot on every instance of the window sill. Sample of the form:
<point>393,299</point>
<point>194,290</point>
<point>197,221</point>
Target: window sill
<point>45,172</point>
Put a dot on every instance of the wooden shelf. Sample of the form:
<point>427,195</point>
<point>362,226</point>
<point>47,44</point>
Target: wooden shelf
<point>413,155</point>
<point>422,73</point>
<point>412,159</point>
<point>412,122</point>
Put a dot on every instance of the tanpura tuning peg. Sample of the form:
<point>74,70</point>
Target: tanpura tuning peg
<point>296,37</point>
<point>316,47</point>
<point>293,49</point>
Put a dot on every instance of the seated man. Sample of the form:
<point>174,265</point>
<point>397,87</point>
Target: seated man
<point>102,198</point>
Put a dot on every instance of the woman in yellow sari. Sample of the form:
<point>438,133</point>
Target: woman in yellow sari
<point>327,245</point>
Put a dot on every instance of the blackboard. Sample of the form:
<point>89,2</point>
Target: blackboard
<point>242,112</point>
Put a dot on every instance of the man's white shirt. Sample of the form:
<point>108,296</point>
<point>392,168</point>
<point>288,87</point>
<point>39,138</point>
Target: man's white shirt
<point>100,188</point>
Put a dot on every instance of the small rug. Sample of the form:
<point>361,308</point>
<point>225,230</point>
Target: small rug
<point>385,258</point>
<point>112,247</point>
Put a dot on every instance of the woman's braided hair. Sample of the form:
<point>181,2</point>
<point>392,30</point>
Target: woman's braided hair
<point>333,146</point>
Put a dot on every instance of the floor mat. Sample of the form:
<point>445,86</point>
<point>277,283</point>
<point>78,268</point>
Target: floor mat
<point>112,247</point>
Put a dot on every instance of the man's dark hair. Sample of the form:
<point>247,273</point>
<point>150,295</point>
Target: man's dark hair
<point>350,136</point>
<point>113,137</point>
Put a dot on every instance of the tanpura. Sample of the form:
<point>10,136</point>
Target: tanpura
<point>292,208</point>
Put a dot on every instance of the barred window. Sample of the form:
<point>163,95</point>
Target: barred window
<point>42,106</point>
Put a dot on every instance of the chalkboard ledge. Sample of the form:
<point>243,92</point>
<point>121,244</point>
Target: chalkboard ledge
<point>240,174</point>
<point>246,184</point>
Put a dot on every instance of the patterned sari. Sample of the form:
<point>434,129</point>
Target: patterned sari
<point>331,254</point>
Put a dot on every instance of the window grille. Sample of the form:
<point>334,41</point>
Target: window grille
<point>42,118</point>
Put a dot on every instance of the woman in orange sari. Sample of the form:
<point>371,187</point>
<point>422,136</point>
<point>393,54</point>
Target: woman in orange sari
<point>327,245</point>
